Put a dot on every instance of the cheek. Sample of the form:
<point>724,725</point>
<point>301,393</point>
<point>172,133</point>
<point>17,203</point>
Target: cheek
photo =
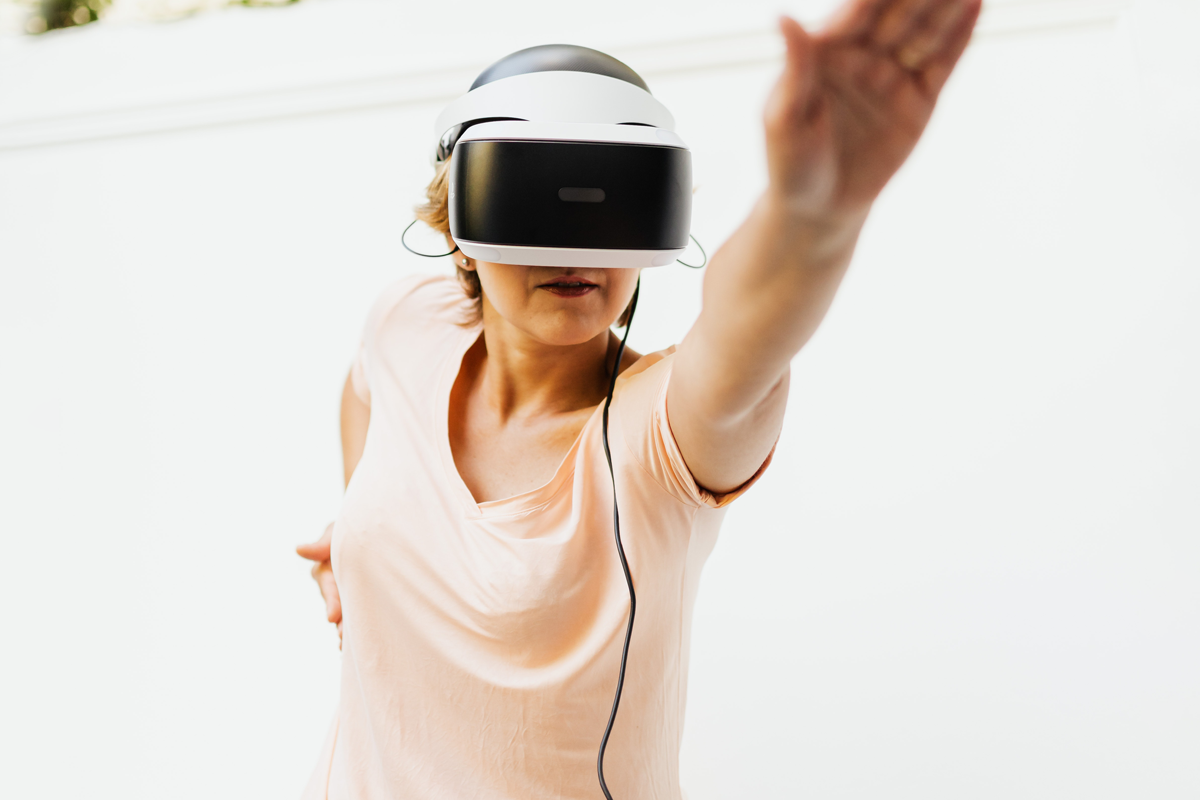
<point>628,281</point>
<point>505,287</point>
<point>623,288</point>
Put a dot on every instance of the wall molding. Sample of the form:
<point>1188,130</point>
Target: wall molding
<point>223,105</point>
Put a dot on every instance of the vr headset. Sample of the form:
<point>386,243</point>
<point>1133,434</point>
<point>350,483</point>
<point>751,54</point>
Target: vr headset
<point>562,157</point>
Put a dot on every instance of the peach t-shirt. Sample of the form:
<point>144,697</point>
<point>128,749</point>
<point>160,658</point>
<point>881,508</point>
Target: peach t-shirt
<point>482,640</point>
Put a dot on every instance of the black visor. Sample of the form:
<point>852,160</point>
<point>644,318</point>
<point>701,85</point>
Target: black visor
<point>597,195</point>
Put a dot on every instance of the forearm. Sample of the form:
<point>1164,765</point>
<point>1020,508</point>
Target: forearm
<point>846,111</point>
<point>765,292</point>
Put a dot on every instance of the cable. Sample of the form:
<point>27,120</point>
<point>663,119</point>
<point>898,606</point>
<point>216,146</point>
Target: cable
<point>423,255</point>
<point>695,266</point>
<point>612,384</point>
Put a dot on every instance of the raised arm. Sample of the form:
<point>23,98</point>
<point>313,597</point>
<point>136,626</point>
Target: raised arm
<point>849,107</point>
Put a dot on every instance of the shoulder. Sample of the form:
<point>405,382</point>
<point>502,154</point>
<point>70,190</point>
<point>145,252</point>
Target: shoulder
<point>641,390</point>
<point>640,402</point>
<point>639,408</point>
<point>416,299</point>
<point>647,372</point>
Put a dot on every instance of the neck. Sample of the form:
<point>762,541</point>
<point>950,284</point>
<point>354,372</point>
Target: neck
<point>518,375</point>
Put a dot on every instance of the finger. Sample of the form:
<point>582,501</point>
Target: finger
<point>937,71</point>
<point>799,67</point>
<point>327,584</point>
<point>329,590</point>
<point>931,37</point>
<point>318,550</point>
<point>897,21</point>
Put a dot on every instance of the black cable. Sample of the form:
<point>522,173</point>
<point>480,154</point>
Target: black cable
<point>695,266</point>
<point>612,384</point>
<point>423,255</point>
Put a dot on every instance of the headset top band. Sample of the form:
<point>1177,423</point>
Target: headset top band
<point>590,133</point>
<point>557,96</point>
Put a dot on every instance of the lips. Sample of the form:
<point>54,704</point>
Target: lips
<point>569,280</point>
<point>569,286</point>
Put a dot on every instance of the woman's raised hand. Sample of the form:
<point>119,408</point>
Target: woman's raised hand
<point>854,98</point>
<point>322,573</point>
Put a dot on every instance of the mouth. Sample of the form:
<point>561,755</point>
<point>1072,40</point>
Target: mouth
<point>569,286</point>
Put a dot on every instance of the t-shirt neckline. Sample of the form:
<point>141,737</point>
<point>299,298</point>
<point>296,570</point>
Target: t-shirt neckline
<point>518,504</point>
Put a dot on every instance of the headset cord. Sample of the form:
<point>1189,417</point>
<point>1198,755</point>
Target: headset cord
<point>612,383</point>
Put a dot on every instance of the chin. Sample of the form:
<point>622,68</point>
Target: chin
<point>565,335</point>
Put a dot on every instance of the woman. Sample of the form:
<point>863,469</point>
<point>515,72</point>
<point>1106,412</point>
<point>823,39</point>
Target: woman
<point>484,605</point>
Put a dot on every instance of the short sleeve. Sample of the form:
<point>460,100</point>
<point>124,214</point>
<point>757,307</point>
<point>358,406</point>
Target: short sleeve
<point>642,407</point>
<point>385,302</point>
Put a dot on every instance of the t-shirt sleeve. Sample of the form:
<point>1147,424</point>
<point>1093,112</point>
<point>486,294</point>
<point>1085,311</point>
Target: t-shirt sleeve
<point>642,406</point>
<point>389,297</point>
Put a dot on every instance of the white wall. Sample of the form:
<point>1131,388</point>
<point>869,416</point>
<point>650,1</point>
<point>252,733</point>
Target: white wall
<point>971,570</point>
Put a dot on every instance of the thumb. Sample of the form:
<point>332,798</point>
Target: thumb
<point>318,550</point>
<point>799,71</point>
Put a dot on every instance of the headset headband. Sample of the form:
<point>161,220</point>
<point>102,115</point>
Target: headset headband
<point>556,96</point>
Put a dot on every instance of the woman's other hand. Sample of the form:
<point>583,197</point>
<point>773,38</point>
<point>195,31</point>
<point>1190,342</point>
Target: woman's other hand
<point>322,573</point>
<point>854,99</point>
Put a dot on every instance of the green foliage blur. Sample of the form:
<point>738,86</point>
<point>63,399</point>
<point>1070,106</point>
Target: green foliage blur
<point>49,15</point>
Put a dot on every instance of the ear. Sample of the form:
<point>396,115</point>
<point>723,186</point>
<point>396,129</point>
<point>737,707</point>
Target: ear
<point>460,258</point>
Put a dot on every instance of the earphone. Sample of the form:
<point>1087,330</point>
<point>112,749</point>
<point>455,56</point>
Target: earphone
<point>612,385</point>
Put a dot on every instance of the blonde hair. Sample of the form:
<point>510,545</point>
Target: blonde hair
<point>435,212</point>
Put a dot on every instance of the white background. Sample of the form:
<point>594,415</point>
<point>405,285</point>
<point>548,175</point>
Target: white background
<point>970,572</point>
